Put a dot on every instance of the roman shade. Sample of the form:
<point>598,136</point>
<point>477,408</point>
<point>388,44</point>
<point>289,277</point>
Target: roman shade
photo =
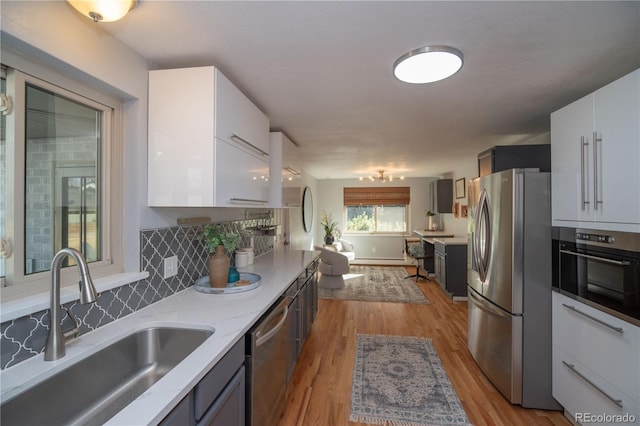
<point>385,196</point>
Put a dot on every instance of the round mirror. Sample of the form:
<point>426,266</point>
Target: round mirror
<point>307,209</point>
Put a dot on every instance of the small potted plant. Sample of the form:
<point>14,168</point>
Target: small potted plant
<point>330,227</point>
<point>219,245</point>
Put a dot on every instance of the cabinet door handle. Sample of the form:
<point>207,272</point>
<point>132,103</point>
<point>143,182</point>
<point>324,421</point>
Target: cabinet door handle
<point>592,318</point>
<point>596,139</point>
<point>249,144</point>
<point>583,144</point>
<point>571,367</point>
<point>247,200</point>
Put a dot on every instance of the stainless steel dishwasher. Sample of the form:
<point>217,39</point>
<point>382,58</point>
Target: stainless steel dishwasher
<point>267,367</point>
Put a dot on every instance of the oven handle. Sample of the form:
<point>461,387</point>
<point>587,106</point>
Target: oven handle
<point>260,340</point>
<point>584,314</point>
<point>601,259</point>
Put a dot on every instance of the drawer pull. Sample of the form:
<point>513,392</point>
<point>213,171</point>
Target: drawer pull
<point>571,367</point>
<point>249,144</point>
<point>577,311</point>
<point>247,200</point>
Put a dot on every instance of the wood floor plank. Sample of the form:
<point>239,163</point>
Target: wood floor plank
<point>320,391</point>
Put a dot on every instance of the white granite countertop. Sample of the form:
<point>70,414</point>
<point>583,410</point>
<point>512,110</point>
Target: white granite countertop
<point>231,315</point>
<point>425,233</point>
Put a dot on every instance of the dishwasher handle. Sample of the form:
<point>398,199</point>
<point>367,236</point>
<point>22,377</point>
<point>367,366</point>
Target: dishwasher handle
<point>262,339</point>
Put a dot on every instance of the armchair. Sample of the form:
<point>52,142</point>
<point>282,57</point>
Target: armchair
<point>332,266</point>
<point>346,248</point>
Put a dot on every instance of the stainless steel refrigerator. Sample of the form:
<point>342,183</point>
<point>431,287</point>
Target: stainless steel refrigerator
<point>509,283</point>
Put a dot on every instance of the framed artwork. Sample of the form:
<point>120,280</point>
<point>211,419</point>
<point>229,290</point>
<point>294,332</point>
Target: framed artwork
<point>456,209</point>
<point>463,211</point>
<point>460,188</point>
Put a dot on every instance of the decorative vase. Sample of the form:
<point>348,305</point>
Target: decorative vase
<point>430,223</point>
<point>234,275</point>
<point>219,268</point>
<point>328,239</point>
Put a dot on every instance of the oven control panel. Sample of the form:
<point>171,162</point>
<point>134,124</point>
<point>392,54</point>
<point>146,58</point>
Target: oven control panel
<point>596,238</point>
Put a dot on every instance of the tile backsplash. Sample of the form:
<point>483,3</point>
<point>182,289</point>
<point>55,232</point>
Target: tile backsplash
<point>25,337</point>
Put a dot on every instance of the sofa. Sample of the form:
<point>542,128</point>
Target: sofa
<point>345,248</point>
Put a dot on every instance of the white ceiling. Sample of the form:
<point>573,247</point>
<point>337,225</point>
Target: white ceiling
<point>321,70</point>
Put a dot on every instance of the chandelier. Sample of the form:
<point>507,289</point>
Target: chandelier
<point>381,177</point>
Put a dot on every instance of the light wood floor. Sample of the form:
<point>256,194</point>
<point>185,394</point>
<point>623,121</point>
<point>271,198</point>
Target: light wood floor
<point>320,392</point>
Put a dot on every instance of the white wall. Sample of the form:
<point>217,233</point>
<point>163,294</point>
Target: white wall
<point>330,199</point>
<point>55,35</point>
<point>467,168</point>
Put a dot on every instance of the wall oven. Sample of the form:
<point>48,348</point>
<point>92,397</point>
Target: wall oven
<point>600,268</point>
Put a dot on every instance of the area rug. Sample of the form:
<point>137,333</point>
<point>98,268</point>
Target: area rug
<point>400,381</point>
<point>376,284</point>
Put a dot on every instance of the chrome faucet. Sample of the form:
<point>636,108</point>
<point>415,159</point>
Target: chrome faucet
<point>54,348</point>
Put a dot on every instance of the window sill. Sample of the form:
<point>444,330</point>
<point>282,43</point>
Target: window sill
<point>41,301</point>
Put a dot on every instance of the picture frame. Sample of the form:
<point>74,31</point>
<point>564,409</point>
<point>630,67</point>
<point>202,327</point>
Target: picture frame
<point>461,188</point>
<point>456,209</point>
<point>463,211</point>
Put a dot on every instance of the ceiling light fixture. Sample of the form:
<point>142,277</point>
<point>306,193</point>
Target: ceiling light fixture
<point>428,64</point>
<point>103,10</point>
<point>381,177</point>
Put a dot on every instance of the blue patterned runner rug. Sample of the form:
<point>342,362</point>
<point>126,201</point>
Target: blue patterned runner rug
<point>400,381</point>
<point>376,284</point>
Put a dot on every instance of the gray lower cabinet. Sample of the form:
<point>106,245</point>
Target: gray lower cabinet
<point>450,265</point>
<point>303,309</point>
<point>218,399</point>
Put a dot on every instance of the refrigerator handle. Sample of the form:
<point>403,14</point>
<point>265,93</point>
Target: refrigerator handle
<point>484,306</point>
<point>475,241</point>
<point>483,247</point>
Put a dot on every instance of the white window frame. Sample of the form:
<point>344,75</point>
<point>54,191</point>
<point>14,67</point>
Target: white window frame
<point>19,284</point>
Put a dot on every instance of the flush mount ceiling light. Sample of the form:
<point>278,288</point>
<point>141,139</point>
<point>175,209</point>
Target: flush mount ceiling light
<point>103,10</point>
<point>381,177</point>
<point>428,64</point>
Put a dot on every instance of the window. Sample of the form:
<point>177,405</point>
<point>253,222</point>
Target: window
<point>62,183</point>
<point>57,180</point>
<point>376,210</point>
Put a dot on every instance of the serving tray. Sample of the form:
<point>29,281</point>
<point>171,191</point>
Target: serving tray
<point>203,285</point>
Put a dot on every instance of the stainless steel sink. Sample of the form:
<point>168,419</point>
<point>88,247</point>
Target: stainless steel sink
<point>94,389</point>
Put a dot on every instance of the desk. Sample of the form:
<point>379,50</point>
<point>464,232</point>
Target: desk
<point>427,244</point>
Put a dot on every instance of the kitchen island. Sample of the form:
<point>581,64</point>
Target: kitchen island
<point>230,315</point>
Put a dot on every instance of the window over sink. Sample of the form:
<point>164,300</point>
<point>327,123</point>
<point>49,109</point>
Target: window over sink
<point>60,176</point>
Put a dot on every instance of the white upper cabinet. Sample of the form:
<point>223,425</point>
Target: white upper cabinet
<point>237,119</point>
<point>208,144</point>
<point>595,159</point>
<point>285,190</point>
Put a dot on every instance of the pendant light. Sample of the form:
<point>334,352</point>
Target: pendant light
<point>103,10</point>
<point>428,64</point>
